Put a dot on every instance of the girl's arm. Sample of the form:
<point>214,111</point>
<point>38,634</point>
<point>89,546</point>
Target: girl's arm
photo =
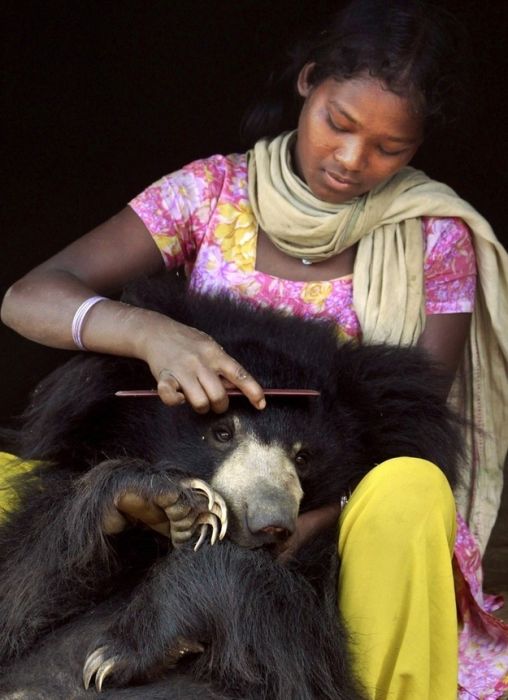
<point>42,304</point>
<point>444,338</point>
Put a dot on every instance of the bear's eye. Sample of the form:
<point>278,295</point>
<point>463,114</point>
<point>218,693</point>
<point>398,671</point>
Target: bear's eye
<point>222,433</point>
<point>302,458</point>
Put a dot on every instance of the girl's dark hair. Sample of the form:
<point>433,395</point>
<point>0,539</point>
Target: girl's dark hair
<point>412,46</point>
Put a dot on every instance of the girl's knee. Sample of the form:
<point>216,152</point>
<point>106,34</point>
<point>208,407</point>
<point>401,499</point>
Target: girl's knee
<point>398,475</point>
<point>401,498</point>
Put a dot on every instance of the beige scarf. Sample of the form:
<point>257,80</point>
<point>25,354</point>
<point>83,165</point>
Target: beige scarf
<point>388,292</point>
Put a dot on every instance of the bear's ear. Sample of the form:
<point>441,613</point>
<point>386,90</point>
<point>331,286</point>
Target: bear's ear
<point>67,406</point>
<point>398,398</point>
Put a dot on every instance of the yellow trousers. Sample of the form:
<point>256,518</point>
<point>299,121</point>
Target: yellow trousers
<point>396,591</point>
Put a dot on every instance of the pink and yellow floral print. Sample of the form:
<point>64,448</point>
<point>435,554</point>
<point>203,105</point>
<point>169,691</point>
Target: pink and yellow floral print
<point>200,217</point>
<point>483,643</point>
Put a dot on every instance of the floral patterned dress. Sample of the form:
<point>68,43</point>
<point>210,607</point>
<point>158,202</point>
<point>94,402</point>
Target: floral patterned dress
<point>200,217</point>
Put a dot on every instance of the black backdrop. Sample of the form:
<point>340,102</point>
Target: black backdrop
<point>102,98</point>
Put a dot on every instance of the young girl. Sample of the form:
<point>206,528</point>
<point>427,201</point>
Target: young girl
<point>328,221</point>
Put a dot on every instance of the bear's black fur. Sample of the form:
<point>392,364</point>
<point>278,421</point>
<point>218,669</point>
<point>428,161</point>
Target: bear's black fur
<point>268,630</point>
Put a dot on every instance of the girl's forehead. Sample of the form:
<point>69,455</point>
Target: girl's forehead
<point>364,100</point>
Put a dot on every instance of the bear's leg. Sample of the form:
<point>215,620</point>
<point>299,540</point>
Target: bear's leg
<point>264,630</point>
<point>56,555</point>
<point>396,589</point>
<point>53,669</point>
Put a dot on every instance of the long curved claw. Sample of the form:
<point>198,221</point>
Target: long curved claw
<point>97,664</point>
<point>209,519</point>
<point>202,486</point>
<point>104,670</point>
<point>216,504</point>
<point>92,663</point>
<point>206,519</point>
<point>222,517</point>
<point>201,539</point>
<point>213,496</point>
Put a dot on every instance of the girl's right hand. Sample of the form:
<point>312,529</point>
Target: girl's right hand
<point>189,365</point>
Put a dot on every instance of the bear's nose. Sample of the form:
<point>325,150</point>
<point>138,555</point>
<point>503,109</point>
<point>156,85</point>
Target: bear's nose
<point>270,526</point>
<point>275,531</point>
<point>271,515</point>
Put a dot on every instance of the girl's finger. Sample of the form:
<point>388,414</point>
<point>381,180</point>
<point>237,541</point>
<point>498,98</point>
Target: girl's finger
<point>194,394</point>
<point>168,388</point>
<point>215,390</point>
<point>233,371</point>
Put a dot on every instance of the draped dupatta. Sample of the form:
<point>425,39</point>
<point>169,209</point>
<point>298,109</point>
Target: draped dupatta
<point>388,291</point>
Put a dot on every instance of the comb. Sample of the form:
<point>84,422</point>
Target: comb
<point>147,393</point>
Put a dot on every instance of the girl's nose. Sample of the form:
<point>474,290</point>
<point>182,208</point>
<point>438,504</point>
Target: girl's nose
<point>351,156</point>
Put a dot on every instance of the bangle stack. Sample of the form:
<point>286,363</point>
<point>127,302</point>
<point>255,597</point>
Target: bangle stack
<point>79,319</point>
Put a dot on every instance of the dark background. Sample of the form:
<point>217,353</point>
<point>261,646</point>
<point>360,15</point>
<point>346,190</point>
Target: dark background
<point>101,98</point>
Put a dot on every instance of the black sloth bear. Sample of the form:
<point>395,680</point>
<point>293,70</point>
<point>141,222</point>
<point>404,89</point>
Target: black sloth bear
<point>126,613</point>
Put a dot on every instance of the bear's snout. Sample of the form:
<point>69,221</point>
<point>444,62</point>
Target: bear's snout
<point>262,490</point>
<point>271,516</point>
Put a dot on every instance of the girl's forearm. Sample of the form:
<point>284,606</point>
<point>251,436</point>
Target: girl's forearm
<point>186,363</point>
<point>41,307</point>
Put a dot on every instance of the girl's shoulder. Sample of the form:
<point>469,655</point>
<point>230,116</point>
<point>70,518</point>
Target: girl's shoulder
<point>215,172</point>
<point>200,183</point>
<point>217,165</point>
<point>449,266</point>
<point>448,244</point>
<point>193,188</point>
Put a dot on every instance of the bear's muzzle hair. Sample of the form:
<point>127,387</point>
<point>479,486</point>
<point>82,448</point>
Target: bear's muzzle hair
<point>262,489</point>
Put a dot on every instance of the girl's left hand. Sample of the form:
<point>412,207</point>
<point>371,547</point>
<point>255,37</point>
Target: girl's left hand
<point>307,526</point>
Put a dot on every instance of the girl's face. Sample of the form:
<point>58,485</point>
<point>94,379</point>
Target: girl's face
<point>352,135</point>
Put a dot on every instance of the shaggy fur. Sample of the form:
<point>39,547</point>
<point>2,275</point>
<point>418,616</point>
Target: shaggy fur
<point>269,631</point>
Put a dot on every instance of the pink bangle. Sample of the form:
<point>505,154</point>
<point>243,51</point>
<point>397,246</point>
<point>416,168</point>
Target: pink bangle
<point>79,318</point>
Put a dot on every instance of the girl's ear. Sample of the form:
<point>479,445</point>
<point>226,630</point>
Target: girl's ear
<point>303,83</point>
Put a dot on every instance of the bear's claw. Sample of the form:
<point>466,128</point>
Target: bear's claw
<point>217,512</point>
<point>204,520</point>
<point>97,664</point>
<point>215,500</point>
<point>107,659</point>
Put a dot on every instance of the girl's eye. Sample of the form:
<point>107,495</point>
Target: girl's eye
<point>391,153</point>
<point>333,125</point>
<point>222,434</point>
